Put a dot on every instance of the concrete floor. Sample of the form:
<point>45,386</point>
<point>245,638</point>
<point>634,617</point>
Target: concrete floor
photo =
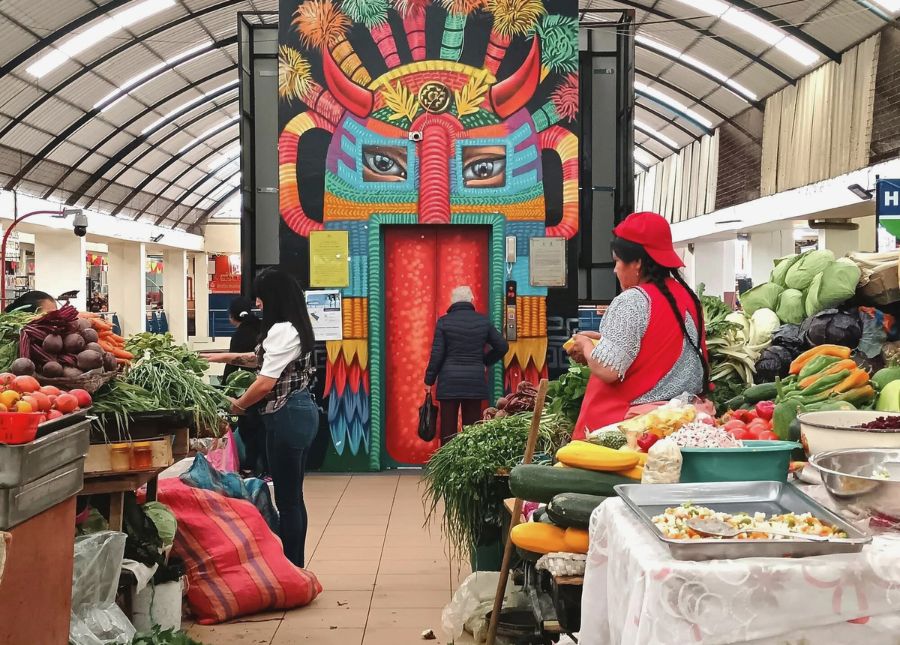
<point>386,576</point>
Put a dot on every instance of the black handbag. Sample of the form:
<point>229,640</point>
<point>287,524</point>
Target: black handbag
<point>428,415</point>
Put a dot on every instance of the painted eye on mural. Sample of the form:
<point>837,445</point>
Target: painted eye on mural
<point>384,163</point>
<point>484,166</point>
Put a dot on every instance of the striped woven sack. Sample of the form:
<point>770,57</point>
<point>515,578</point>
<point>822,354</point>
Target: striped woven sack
<point>235,565</point>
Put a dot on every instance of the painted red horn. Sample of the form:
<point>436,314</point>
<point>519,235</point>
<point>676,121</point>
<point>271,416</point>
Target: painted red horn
<point>355,99</point>
<point>512,94</point>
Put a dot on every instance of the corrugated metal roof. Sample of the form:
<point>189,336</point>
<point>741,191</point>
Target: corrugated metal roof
<point>705,63</point>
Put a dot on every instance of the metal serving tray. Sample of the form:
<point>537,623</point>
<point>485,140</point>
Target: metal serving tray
<point>24,502</point>
<point>771,498</point>
<point>22,463</point>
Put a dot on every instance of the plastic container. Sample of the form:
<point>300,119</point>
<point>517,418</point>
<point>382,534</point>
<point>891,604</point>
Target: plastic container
<point>120,457</point>
<point>19,427</point>
<point>756,461</point>
<point>158,605</point>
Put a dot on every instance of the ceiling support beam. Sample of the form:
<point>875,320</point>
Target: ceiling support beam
<point>784,25</point>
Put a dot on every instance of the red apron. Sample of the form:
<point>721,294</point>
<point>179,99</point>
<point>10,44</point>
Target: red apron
<point>661,346</point>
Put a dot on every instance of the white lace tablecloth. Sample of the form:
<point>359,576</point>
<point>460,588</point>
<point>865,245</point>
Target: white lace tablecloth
<point>636,593</point>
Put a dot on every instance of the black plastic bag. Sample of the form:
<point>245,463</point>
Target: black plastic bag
<point>428,414</point>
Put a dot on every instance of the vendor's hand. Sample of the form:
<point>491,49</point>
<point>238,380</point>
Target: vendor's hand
<point>214,358</point>
<point>427,389</point>
<point>579,351</point>
<point>593,335</point>
<point>235,408</point>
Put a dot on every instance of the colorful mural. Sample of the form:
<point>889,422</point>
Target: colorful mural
<point>421,113</point>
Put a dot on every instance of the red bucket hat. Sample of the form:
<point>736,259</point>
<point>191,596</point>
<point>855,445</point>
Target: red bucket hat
<point>652,232</point>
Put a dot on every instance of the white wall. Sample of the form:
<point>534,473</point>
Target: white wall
<point>714,267</point>
<point>767,247</point>
<point>59,264</point>
<point>222,238</point>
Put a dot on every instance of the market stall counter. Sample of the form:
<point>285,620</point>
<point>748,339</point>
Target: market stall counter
<point>635,592</point>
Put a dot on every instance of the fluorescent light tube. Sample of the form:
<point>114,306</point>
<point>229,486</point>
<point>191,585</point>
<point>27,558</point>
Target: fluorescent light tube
<point>672,103</point>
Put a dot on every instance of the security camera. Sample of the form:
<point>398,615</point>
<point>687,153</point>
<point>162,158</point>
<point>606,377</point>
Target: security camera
<point>80,224</point>
<point>415,136</point>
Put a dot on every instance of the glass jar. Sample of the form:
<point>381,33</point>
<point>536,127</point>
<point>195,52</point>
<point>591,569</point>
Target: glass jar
<point>141,455</point>
<point>120,457</point>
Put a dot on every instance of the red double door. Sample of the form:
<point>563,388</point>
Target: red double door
<point>422,264</point>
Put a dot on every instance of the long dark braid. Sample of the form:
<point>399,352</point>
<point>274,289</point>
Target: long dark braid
<point>657,275</point>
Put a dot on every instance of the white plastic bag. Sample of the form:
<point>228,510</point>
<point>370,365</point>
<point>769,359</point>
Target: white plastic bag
<point>473,601</point>
<point>663,463</point>
<point>96,618</point>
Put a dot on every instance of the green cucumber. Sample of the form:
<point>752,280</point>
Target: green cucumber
<point>537,483</point>
<point>761,392</point>
<point>573,509</point>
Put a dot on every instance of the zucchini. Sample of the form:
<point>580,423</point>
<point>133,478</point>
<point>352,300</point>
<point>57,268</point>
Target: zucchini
<point>761,392</point>
<point>736,402</point>
<point>573,509</point>
<point>541,515</point>
<point>884,376</point>
<point>537,483</point>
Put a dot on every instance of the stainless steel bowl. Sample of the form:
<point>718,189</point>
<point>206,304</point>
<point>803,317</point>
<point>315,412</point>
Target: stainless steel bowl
<point>851,479</point>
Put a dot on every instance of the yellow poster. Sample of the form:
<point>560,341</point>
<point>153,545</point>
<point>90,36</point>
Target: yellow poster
<point>329,259</point>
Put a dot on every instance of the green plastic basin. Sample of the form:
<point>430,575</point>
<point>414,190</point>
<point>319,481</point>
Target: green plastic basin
<point>756,461</point>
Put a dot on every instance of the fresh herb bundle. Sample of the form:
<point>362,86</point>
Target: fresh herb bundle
<point>115,402</point>
<point>567,392</point>
<point>178,388</point>
<point>463,474</point>
<point>164,346</point>
<point>11,325</point>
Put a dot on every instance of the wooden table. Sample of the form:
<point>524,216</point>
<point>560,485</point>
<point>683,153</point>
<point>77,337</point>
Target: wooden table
<point>116,485</point>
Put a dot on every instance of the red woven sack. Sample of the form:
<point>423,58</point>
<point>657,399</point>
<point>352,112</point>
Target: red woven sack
<point>235,565</point>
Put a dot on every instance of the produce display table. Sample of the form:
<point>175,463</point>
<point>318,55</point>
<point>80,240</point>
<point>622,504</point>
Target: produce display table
<point>116,485</point>
<point>636,593</point>
<point>36,588</point>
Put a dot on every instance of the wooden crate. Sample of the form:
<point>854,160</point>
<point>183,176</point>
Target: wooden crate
<point>98,457</point>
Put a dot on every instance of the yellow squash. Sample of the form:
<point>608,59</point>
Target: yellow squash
<point>576,541</point>
<point>538,537</point>
<point>581,454</point>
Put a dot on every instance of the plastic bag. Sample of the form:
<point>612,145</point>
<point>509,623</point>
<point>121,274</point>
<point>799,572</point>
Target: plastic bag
<point>663,463</point>
<point>473,601</point>
<point>96,618</point>
<point>664,420</point>
<point>224,454</point>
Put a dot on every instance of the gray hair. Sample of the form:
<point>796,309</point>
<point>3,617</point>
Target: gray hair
<point>461,294</point>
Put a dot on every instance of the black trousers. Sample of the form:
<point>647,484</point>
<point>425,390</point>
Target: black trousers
<point>450,409</point>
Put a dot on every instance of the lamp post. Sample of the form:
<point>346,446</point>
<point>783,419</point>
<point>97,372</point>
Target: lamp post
<point>59,213</point>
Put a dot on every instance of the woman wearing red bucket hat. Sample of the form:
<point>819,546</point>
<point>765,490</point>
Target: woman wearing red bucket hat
<point>651,345</point>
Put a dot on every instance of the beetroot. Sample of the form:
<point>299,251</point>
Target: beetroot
<point>73,343</point>
<point>53,344</point>
<point>89,360</point>
<point>52,369</point>
<point>90,335</point>
<point>22,367</point>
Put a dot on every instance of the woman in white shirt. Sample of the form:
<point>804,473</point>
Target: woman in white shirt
<point>281,394</point>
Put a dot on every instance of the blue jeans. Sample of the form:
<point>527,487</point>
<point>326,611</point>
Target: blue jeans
<point>289,434</point>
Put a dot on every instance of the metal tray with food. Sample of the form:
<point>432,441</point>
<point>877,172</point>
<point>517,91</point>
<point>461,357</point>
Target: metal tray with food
<point>738,498</point>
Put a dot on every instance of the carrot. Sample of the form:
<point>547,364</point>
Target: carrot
<point>115,338</point>
<point>109,347</point>
<point>101,325</point>
<point>121,353</point>
<point>88,314</point>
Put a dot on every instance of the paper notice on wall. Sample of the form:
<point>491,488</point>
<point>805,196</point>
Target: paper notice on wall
<point>325,313</point>
<point>547,261</point>
<point>329,259</point>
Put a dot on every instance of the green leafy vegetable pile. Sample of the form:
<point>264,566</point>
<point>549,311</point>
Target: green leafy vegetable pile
<point>11,325</point>
<point>164,346</point>
<point>466,474</point>
<point>566,393</point>
<point>164,637</point>
<point>116,402</point>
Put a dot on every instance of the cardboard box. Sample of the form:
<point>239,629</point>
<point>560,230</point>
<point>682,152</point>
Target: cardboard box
<point>883,287</point>
<point>99,461</point>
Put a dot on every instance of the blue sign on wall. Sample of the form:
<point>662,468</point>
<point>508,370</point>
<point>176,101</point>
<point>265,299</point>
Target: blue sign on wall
<point>887,204</point>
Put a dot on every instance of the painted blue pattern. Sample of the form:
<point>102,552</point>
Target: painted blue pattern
<point>523,280</point>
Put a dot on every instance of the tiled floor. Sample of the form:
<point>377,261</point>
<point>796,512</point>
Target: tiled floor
<point>386,576</point>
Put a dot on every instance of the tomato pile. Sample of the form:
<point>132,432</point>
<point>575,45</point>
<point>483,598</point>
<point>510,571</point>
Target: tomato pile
<point>751,424</point>
<point>25,395</point>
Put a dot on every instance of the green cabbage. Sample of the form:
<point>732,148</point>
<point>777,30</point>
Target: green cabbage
<point>765,296</point>
<point>763,324</point>
<point>812,297</point>
<point>161,516</point>
<point>839,281</point>
<point>782,266</point>
<point>810,264</point>
<point>791,308</point>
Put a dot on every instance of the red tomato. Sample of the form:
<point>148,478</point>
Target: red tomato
<point>758,423</point>
<point>84,399</point>
<point>741,434</point>
<point>66,403</point>
<point>768,435</point>
<point>754,431</point>
<point>739,415</point>
<point>735,424</point>
<point>25,384</point>
<point>50,390</point>
<point>54,414</point>
<point>6,379</point>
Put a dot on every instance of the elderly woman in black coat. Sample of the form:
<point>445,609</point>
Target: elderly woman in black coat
<point>465,344</point>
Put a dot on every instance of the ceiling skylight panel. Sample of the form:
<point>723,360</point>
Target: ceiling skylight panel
<point>672,104</point>
<point>103,29</point>
<point>119,93</point>
<point>652,132</point>
<point>208,133</point>
<point>184,107</point>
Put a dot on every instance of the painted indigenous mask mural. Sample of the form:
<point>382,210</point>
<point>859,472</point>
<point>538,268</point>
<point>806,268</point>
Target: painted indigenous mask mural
<point>426,131</point>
